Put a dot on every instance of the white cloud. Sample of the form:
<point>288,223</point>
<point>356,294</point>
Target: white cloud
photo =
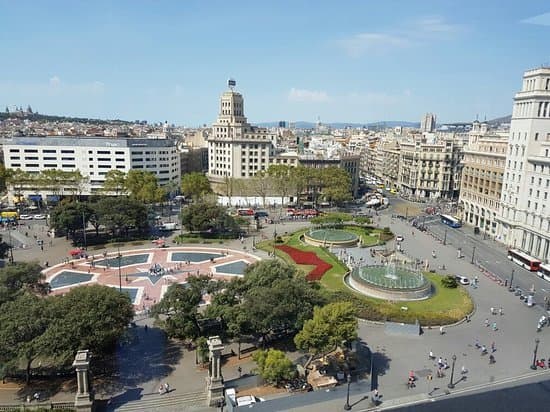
<point>55,81</point>
<point>541,20</point>
<point>413,33</point>
<point>303,95</point>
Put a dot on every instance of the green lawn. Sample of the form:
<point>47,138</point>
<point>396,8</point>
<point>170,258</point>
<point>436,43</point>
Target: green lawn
<point>445,306</point>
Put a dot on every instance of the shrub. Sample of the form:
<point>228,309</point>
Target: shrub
<point>449,282</point>
<point>274,366</point>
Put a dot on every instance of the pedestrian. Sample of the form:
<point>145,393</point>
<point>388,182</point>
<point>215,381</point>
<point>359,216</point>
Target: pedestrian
<point>477,343</point>
<point>487,322</point>
<point>493,348</point>
<point>463,370</point>
<point>500,311</point>
<point>441,332</point>
<point>491,359</point>
<point>483,349</point>
<point>166,388</point>
<point>492,310</point>
<point>240,370</point>
<point>161,389</point>
<point>494,326</point>
<point>440,362</point>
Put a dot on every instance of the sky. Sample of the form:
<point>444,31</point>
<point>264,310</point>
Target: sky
<point>339,61</point>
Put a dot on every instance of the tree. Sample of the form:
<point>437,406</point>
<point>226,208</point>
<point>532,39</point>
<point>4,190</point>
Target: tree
<point>205,216</point>
<point>115,182</point>
<point>195,185</point>
<point>280,175</point>
<point>92,317</point>
<point>336,184</point>
<point>177,313</point>
<point>298,176</point>
<point>68,215</point>
<point>449,282</point>
<point>331,325</point>
<point>274,366</point>
<point>119,214</point>
<point>19,180</point>
<point>143,186</point>
<point>261,185</point>
<point>4,173</point>
<point>19,278</point>
<point>4,249</point>
<point>23,323</point>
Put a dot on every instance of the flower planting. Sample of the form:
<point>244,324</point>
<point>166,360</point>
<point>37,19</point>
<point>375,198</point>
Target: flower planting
<point>307,258</point>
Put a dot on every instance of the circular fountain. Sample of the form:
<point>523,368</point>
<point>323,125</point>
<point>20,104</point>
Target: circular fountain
<point>331,238</point>
<point>394,281</point>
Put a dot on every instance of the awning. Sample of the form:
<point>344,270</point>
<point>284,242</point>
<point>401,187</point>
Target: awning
<point>35,198</point>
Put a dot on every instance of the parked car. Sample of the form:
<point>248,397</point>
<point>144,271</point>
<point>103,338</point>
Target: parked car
<point>463,280</point>
<point>399,238</point>
<point>25,217</point>
<point>39,217</point>
<point>248,400</point>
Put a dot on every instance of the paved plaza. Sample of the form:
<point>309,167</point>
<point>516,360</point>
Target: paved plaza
<point>154,359</point>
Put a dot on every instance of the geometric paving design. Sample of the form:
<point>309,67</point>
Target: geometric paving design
<point>234,268</point>
<point>194,257</point>
<point>69,278</point>
<point>124,261</point>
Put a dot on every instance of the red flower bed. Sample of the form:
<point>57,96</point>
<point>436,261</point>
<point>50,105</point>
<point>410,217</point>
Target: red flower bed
<point>307,258</point>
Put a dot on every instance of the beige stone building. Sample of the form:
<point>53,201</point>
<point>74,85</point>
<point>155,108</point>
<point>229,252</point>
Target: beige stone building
<point>481,183</point>
<point>430,168</point>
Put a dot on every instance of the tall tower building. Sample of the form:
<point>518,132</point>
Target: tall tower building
<point>524,215</point>
<point>236,148</point>
<point>428,122</point>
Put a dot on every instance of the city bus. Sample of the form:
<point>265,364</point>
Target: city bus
<point>544,271</point>
<point>524,260</point>
<point>450,221</point>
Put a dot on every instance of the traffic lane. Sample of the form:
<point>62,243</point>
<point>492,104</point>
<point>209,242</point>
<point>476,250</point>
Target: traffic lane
<point>494,259</point>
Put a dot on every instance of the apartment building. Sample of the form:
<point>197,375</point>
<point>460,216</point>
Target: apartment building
<point>93,157</point>
<point>430,167</point>
<point>235,148</point>
<point>482,174</point>
<point>387,163</point>
<point>524,213</point>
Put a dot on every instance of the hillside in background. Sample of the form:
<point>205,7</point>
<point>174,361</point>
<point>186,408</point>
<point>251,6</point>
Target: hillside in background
<point>36,117</point>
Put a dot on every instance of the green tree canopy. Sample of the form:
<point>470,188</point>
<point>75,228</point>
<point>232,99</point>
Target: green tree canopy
<point>20,277</point>
<point>115,182</point>
<point>205,216</point>
<point>331,325</point>
<point>143,186</point>
<point>195,185</point>
<point>274,366</point>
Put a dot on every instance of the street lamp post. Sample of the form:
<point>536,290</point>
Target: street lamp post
<point>11,245</point>
<point>512,278</point>
<point>347,406</point>
<point>445,238</point>
<point>84,230</point>
<point>451,385</point>
<point>473,254</point>
<point>534,365</point>
<point>119,273</point>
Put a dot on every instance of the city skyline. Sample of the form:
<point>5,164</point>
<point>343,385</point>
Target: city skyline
<point>362,63</point>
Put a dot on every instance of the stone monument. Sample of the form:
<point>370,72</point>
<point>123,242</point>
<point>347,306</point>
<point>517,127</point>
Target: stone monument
<point>214,381</point>
<point>84,400</point>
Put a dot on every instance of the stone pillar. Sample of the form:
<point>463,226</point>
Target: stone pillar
<point>84,399</point>
<point>214,381</point>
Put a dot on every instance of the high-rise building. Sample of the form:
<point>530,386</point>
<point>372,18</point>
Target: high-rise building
<point>524,213</point>
<point>236,148</point>
<point>428,122</point>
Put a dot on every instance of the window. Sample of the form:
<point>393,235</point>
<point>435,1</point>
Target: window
<point>14,150</point>
<point>16,165</point>
<point>31,151</point>
<point>31,158</point>
<point>103,152</point>
<point>50,158</point>
<point>68,166</point>
<point>14,157</point>
<point>103,159</point>
<point>119,153</point>
<point>48,151</point>
<point>68,151</point>
<point>31,165</point>
<point>67,158</point>
<point>50,165</point>
<point>104,166</point>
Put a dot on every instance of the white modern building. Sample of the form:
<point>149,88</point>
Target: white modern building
<point>236,148</point>
<point>524,213</point>
<point>94,157</point>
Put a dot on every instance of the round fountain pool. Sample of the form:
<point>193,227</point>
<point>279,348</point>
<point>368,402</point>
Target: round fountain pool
<point>331,238</point>
<point>393,282</point>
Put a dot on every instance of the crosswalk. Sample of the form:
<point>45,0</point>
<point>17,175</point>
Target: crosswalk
<point>193,401</point>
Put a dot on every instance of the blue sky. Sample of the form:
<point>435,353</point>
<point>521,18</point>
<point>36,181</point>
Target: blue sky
<point>355,61</point>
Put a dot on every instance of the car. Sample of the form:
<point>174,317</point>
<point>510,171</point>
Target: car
<point>25,217</point>
<point>463,280</point>
<point>399,238</point>
<point>39,217</point>
<point>248,400</point>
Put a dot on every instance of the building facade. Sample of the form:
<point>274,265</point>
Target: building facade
<point>235,148</point>
<point>430,168</point>
<point>428,123</point>
<point>482,174</point>
<point>94,157</point>
<point>524,213</point>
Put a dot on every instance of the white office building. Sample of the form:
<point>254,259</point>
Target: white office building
<point>236,148</point>
<point>94,157</point>
<point>524,214</point>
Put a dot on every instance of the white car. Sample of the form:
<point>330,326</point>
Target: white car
<point>248,400</point>
<point>25,217</point>
<point>39,217</point>
<point>399,238</point>
<point>463,280</point>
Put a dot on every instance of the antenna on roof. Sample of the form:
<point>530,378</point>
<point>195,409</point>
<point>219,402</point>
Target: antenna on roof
<point>231,83</point>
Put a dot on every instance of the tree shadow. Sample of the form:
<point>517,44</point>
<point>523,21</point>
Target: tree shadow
<point>376,363</point>
<point>146,355</point>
